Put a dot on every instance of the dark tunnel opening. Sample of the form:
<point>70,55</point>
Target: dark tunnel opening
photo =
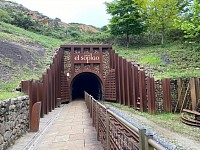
<point>88,82</point>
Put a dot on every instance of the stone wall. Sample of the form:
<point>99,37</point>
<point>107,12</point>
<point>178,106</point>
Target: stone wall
<point>174,92</point>
<point>159,96</point>
<point>106,63</point>
<point>175,95</point>
<point>14,120</point>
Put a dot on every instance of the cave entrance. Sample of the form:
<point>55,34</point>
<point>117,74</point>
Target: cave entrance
<point>88,82</point>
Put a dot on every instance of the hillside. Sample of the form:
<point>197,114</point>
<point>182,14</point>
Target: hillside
<point>25,53</point>
<point>37,22</point>
<point>26,50</point>
<point>172,61</point>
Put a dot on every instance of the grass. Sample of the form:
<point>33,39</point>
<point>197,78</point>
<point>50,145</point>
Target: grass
<point>7,95</point>
<point>166,120</point>
<point>22,35</point>
<point>150,59</point>
<point>172,61</point>
<point>7,88</point>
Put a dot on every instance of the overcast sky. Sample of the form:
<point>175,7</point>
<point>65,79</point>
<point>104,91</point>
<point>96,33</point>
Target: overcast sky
<point>91,12</point>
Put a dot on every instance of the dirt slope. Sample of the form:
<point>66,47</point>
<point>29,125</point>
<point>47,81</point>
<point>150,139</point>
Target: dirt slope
<point>16,56</point>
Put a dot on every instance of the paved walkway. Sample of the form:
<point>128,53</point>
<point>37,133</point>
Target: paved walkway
<point>70,128</point>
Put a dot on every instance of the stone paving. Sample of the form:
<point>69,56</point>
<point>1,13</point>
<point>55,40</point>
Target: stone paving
<point>70,128</point>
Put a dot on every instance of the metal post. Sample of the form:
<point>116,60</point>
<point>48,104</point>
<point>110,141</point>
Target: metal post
<point>107,130</point>
<point>93,112</point>
<point>147,145</point>
<point>92,115</point>
<point>142,138</point>
<point>90,106</point>
<point>97,120</point>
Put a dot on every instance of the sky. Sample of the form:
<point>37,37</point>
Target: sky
<point>90,12</point>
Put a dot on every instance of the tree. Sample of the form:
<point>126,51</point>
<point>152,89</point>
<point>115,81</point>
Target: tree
<point>160,14</point>
<point>126,19</point>
<point>190,23</point>
<point>104,28</point>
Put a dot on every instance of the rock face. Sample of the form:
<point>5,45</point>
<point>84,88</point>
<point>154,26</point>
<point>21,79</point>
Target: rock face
<point>14,120</point>
<point>14,56</point>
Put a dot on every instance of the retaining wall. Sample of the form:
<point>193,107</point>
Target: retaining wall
<point>14,120</point>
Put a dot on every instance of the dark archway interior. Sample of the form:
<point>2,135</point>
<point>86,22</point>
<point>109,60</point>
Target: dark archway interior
<point>88,82</point>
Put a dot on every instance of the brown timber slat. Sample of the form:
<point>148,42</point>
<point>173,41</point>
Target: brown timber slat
<point>123,84</point>
<point>130,83</point>
<point>194,92</point>
<point>167,95</point>
<point>151,95</point>
<point>142,89</point>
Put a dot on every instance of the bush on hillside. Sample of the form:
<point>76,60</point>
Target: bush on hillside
<point>23,21</point>
<point>4,16</point>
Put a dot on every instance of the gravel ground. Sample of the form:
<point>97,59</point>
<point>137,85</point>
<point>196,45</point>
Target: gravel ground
<point>169,139</point>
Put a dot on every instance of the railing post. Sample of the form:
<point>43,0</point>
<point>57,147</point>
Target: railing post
<point>86,99</point>
<point>97,121</point>
<point>90,106</point>
<point>107,130</point>
<point>142,138</point>
<point>89,103</point>
<point>92,115</point>
<point>147,145</point>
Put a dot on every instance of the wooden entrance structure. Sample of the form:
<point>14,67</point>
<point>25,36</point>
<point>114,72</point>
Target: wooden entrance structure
<point>94,59</point>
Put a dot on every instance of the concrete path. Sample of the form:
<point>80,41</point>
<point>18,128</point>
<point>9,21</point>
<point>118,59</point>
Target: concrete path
<point>70,129</point>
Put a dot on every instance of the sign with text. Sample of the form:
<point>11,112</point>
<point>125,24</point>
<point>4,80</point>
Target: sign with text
<point>80,58</point>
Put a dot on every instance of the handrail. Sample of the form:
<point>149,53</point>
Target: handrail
<point>115,132</point>
<point>155,144</point>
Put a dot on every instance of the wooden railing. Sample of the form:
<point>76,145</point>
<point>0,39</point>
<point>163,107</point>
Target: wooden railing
<point>114,132</point>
